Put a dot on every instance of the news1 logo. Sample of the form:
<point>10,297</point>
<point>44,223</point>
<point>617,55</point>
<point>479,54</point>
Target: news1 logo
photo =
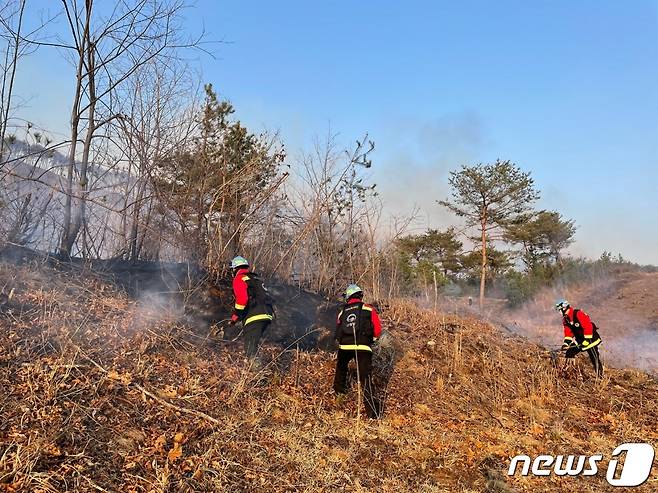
<point>634,471</point>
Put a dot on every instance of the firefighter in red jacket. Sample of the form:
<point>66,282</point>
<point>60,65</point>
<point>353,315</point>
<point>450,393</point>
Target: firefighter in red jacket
<point>357,327</point>
<point>580,334</point>
<point>253,305</point>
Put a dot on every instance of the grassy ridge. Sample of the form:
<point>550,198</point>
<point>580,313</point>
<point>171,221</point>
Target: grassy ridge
<point>100,393</point>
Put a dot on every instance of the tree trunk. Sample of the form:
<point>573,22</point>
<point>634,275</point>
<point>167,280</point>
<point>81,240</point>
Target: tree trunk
<point>483,273</point>
<point>86,148</point>
<point>68,238</point>
<point>134,228</point>
<point>65,247</point>
<point>142,237</point>
<point>80,217</point>
<point>7,90</point>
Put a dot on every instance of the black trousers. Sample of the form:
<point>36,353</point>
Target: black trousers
<point>253,333</point>
<point>594,357</point>
<point>364,369</point>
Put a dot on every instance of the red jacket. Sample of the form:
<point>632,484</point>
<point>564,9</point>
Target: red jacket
<point>579,329</point>
<point>253,302</point>
<point>584,321</point>
<point>241,293</point>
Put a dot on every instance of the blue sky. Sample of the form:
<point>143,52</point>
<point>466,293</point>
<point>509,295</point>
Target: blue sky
<point>567,90</point>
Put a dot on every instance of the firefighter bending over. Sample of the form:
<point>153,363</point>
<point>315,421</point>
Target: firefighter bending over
<point>580,334</point>
<point>357,327</point>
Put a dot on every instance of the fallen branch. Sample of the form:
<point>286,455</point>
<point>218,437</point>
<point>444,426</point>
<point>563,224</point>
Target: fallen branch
<point>185,410</point>
<point>159,400</point>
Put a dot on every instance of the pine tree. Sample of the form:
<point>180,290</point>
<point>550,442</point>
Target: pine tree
<point>489,197</point>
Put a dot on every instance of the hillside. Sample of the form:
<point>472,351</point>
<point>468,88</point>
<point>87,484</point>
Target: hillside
<point>624,305</point>
<point>34,181</point>
<point>105,392</point>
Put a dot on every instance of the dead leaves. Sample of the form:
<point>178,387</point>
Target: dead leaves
<point>124,378</point>
<point>175,452</point>
<point>14,487</point>
<point>160,443</point>
<point>53,450</point>
<point>536,430</point>
<point>169,392</point>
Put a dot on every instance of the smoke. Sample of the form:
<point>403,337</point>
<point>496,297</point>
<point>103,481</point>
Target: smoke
<point>152,308</point>
<point>637,349</point>
<point>622,305</point>
<point>421,154</point>
<point>173,294</point>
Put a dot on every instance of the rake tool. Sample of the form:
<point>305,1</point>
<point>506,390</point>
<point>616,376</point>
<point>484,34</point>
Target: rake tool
<point>217,331</point>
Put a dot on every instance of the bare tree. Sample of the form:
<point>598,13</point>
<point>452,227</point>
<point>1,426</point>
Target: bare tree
<point>16,42</point>
<point>325,208</point>
<point>108,48</point>
<point>11,22</point>
<point>159,104</point>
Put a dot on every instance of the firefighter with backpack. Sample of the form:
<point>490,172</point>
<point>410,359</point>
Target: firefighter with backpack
<point>357,328</point>
<point>580,334</point>
<point>253,305</point>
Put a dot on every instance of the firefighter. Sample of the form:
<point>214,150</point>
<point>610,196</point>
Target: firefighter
<point>253,305</point>
<point>580,334</point>
<point>357,328</point>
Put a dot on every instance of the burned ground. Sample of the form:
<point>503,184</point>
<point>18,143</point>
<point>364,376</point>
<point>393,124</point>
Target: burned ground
<point>103,391</point>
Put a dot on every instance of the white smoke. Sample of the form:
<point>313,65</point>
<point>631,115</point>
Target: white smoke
<point>630,338</point>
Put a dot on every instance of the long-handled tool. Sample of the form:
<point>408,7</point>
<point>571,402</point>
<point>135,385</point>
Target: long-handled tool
<point>567,361</point>
<point>218,330</point>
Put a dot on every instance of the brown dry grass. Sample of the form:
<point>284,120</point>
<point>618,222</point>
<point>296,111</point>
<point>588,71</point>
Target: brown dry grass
<point>74,354</point>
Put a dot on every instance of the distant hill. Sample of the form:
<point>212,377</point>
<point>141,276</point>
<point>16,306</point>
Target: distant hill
<point>39,175</point>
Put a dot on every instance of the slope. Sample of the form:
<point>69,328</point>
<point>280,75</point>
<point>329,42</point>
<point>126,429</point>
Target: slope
<point>623,304</point>
<point>102,392</point>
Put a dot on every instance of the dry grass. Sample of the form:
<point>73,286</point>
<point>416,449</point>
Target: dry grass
<point>76,357</point>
